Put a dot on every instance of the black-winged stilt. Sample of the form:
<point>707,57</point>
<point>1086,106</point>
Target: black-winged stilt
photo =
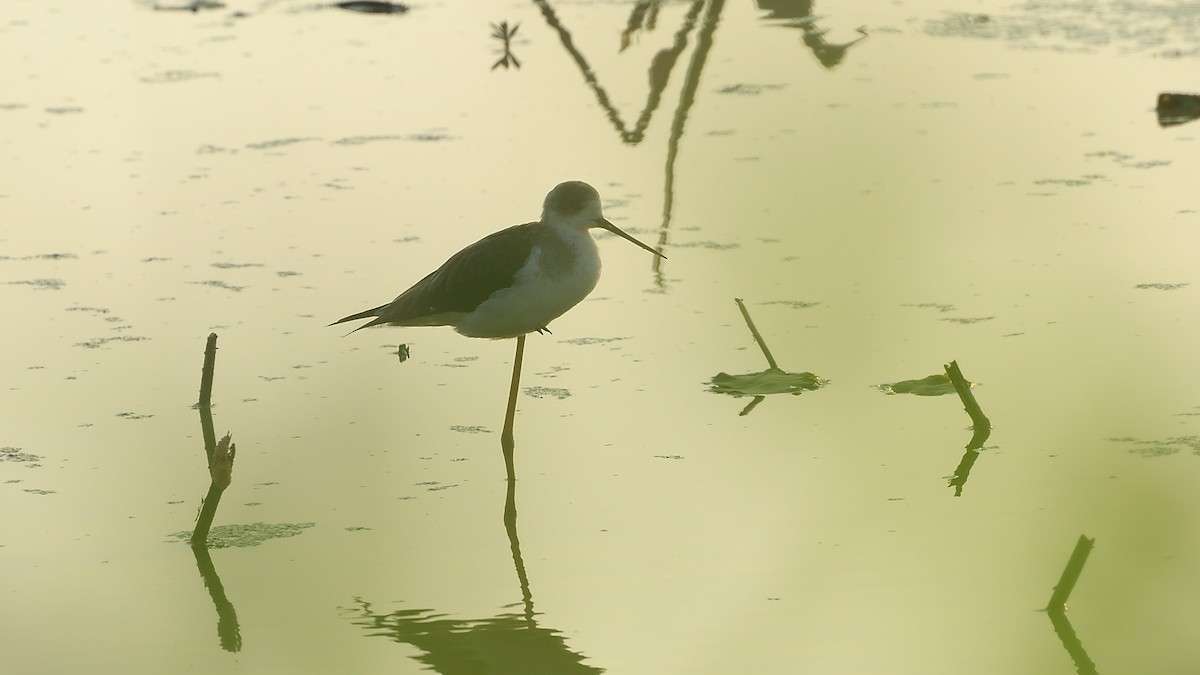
<point>511,283</point>
<point>515,281</point>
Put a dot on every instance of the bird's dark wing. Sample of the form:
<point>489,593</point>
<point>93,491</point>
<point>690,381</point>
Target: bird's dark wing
<point>468,278</point>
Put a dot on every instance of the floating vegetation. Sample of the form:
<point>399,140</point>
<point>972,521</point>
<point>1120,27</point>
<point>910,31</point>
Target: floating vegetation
<point>431,136</point>
<point>593,340</point>
<point>245,536</point>
<point>218,284</point>
<point>547,392</point>
<point>714,245</point>
<point>1163,29</point>
<point>372,7</point>
<point>1127,161</point>
<point>461,428</point>
<point>168,76</point>
<point>794,304</point>
<point>745,89</point>
<point>40,284</point>
<point>1065,182</point>
<point>96,343</point>
<point>278,143</point>
<point>193,6</point>
<point>1161,447</point>
<point>934,385</point>
<point>932,305</point>
<point>43,256</point>
<point>10,454</point>
<point>773,380</point>
<point>966,320</point>
<point>1162,287</point>
<point>359,140</point>
<point>769,381</point>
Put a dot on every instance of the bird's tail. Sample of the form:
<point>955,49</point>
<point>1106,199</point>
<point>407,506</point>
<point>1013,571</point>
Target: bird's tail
<point>374,312</point>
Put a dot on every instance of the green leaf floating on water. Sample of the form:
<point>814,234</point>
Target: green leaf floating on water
<point>769,381</point>
<point>934,385</point>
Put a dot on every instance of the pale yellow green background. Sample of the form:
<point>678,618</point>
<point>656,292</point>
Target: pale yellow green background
<point>983,182</point>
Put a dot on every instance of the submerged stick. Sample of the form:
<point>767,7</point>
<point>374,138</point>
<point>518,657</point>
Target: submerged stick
<point>757,336</point>
<point>1070,575</point>
<point>507,443</point>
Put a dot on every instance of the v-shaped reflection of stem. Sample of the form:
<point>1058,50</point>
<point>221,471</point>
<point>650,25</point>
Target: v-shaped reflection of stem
<point>660,69</point>
<point>659,74</point>
<point>687,97</point>
<point>220,454</point>
<point>981,425</point>
<point>1071,642</point>
<point>220,465</point>
<point>228,630</point>
<point>1056,608</point>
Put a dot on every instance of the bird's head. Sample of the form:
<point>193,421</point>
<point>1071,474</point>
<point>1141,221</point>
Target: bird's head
<point>577,203</point>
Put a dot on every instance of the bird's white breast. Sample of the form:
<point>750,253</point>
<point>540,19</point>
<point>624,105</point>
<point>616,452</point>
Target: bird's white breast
<point>562,269</point>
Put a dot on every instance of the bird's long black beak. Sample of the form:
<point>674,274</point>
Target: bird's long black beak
<point>604,224</point>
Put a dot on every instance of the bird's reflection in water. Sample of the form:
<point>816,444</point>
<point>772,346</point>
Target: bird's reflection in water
<point>510,642</point>
<point>505,643</point>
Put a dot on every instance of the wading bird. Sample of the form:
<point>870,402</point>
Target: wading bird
<point>513,282</point>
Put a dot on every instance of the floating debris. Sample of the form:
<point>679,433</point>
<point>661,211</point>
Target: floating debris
<point>10,454</point>
<point>769,381</point>
<point>934,385</point>
<point>245,536</point>
<point>169,76</point>
<point>1176,109</point>
<point>372,7</point>
<point>1160,447</point>
<point>40,284</point>
<point>547,392</point>
<point>96,343</point>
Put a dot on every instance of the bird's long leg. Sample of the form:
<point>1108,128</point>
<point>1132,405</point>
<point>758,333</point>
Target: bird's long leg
<point>506,437</point>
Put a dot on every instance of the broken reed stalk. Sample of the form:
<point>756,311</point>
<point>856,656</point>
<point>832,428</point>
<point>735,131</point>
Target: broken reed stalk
<point>980,422</point>
<point>757,337</point>
<point>206,375</point>
<point>1070,575</point>
<point>220,455</point>
<point>205,402</point>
